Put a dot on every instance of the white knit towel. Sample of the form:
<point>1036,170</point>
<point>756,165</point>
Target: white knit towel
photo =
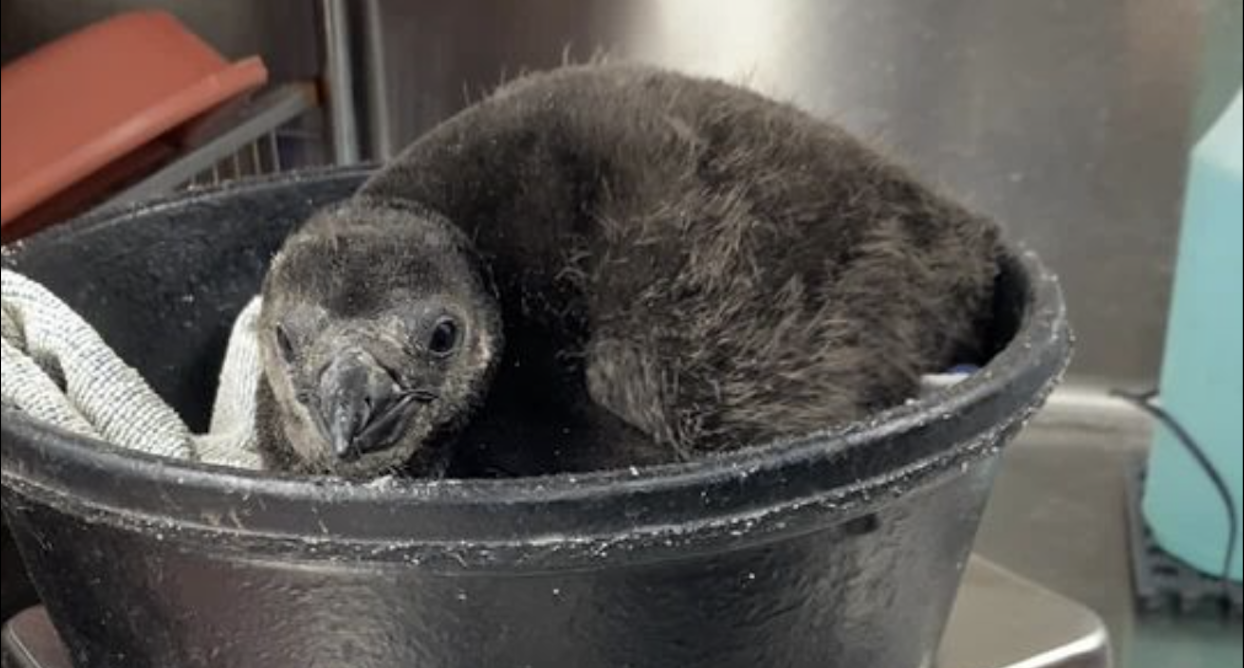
<point>56,368</point>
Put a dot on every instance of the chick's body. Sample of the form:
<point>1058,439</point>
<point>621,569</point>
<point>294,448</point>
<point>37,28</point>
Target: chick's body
<point>715,268</point>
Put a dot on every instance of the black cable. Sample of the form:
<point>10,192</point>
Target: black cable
<point>1144,400</point>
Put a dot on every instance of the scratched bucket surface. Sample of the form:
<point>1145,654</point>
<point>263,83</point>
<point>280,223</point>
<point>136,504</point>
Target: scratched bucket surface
<point>843,549</point>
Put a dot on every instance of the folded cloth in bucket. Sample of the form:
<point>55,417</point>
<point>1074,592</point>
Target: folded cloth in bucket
<point>58,369</point>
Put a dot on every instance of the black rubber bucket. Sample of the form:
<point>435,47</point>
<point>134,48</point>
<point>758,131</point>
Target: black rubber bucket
<point>843,549</point>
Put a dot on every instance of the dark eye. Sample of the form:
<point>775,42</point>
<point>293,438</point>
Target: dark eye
<point>444,337</point>
<point>283,344</point>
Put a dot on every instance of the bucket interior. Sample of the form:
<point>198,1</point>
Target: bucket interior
<point>168,279</point>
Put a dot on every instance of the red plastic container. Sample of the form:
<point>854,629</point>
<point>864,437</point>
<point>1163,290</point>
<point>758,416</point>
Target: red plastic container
<point>89,107</point>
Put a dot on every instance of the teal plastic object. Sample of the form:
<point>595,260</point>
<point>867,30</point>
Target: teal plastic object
<point>1201,373</point>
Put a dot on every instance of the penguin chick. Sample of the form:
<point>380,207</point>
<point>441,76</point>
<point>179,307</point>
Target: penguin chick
<point>715,268</point>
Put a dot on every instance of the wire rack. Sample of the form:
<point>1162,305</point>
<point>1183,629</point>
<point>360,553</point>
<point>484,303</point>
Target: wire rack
<point>278,130</point>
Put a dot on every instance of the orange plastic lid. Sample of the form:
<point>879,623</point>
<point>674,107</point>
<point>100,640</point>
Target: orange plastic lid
<point>83,101</point>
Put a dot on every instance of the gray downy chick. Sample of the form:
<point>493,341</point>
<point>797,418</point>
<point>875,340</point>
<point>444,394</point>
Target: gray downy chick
<point>713,268</point>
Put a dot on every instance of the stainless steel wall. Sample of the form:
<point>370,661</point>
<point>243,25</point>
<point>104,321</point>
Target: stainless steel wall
<point>1067,120</point>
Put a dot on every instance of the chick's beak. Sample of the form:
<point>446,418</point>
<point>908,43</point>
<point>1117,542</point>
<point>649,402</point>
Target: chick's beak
<point>361,408</point>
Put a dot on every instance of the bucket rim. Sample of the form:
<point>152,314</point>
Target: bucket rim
<point>827,476</point>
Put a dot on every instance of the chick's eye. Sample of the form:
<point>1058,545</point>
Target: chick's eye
<point>283,343</point>
<point>444,337</point>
